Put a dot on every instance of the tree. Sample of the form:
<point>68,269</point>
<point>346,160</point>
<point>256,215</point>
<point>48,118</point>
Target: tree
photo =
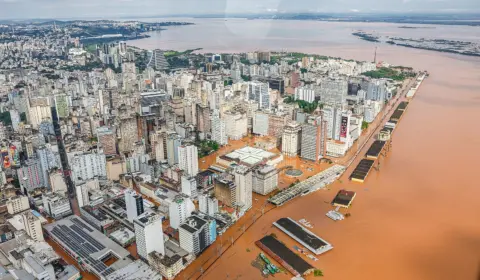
<point>5,118</point>
<point>23,117</point>
<point>246,78</point>
<point>303,70</point>
<point>317,273</point>
<point>364,125</point>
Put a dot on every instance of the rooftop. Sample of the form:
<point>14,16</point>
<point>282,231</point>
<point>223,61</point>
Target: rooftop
<point>344,198</point>
<point>87,244</point>
<point>137,270</point>
<point>193,224</point>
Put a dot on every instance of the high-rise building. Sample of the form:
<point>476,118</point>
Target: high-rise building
<point>260,123</point>
<point>377,91</point>
<point>333,92</point>
<point>236,124</point>
<point>313,144</point>
<point>17,204</point>
<point>188,159</point>
<point>208,204</point>
<point>30,176</point>
<point>48,161</point>
<point>134,204</point>
<point>179,210</point>
<point>219,130</point>
<point>159,61</point>
<point>265,179</point>
<point>197,233</point>
<point>149,234</point>
<point>243,181</point>
<point>276,123</point>
<point>226,191</point>
<point>86,166</point>
<point>258,92</point>
<point>344,133</point>
<point>332,116</point>
<point>56,206</point>
<point>82,191</point>
<point>32,225</point>
<point>305,94</point>
<point>189,186</point>
<point>292,139</point>
<point>128,134</point>
<point>173,143</point>
<point>107,140</point>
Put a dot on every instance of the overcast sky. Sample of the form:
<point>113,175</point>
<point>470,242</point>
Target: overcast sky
<point>112,8</point>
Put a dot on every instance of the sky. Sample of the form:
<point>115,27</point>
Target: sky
<point>27,9</point>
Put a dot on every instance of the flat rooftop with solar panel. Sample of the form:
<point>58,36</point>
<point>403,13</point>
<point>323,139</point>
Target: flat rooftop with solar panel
<point>91,248</point>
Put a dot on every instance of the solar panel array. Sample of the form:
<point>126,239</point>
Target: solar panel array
<point>81,224</point>
<point>82,244</point>
<point>362,170</point>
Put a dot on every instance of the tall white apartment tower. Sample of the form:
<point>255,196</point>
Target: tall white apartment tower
<point>149,234</point>
<point>134,204</point>
<point>188,159</point>
<point>207,204</point>
<point>219,130</point>
<point>243,181</point>
<point>179,210</point>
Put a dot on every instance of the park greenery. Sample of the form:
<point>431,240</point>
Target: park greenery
<point>389,73</point>
<point>246,78</point>
<point>308,107</point>
<point>364,125</point>
<point>177,53</point>
<point>317,273</point>
<point>5,118</point>
<point>206,147</point>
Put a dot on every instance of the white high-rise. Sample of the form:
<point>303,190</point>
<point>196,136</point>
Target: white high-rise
<point>189,186</point>
<point>258,91</point>
<point>243,181</point>
<point>188,159</point>
<point>332,116</point>
<point>236,124</point>
<point>86,166</point>
<point>179,210</point>
<point>134,204</point>
<point>208,204</point>
<point>219,130</point>
<point>305,94</point>
<point>149,234</point>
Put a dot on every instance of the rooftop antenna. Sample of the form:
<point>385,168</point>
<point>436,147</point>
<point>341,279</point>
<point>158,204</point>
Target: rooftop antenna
<point>375,56</point>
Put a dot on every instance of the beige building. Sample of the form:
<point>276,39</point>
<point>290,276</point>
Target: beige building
<point>292,139</point>
<point>17,204</point>
<point>115,167</point>
<point>32,225</point>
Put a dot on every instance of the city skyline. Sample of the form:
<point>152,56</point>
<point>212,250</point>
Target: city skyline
<point>37,9</point>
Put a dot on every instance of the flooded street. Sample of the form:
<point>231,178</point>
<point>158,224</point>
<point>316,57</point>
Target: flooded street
<point>416,218</point>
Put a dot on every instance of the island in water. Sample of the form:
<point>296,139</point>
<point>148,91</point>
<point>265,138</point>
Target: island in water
<point>439,45</point>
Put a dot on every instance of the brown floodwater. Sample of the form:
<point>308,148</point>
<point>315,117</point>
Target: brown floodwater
<point>416,218</point>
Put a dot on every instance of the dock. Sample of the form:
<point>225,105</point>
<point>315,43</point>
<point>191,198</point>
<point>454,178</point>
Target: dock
<point>303,236</point>
<point>362,170</point>
<point>284,256</point>
<point>310,185</point>
<point>375,149</point>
